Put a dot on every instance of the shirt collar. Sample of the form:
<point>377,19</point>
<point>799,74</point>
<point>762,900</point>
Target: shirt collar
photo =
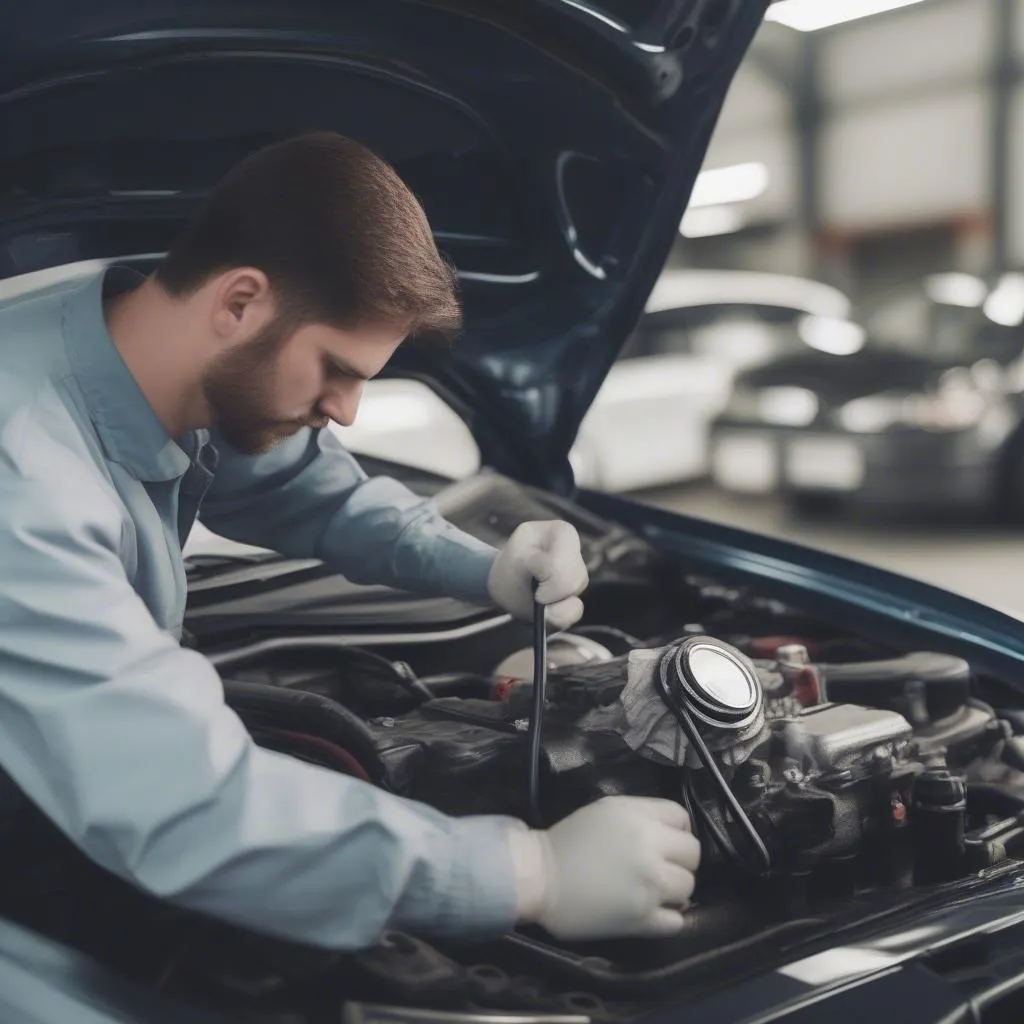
<point>128,427</point>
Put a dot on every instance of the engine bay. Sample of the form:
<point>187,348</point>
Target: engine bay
<point>828,776</point>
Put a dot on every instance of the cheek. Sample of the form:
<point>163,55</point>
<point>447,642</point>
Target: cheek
<point>298,383</point>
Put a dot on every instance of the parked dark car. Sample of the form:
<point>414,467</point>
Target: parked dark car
<point>858,768</point>
<point>922,415</point>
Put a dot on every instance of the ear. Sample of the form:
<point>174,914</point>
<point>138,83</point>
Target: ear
<point>242,303</point>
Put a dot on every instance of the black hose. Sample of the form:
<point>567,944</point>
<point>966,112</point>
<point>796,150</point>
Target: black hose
<point>676,704</point>
<point>277,707</point>
<point>540,685</point>
<point>458,684</point>
<point>702,820</point>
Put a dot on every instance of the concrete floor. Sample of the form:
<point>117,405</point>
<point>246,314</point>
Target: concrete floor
<point>978,561</point>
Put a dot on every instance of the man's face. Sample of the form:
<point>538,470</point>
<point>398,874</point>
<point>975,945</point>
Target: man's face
<point>267,389</point>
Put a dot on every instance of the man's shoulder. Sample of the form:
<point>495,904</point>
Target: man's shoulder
<point>31,344</point>
<point>36,407</point>
<point>25,293</point>
<point>45,453</point>
<point>50,460</point>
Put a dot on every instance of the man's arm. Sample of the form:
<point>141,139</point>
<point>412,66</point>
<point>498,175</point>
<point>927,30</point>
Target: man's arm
<point>123,740</point>
<point>309,498</point>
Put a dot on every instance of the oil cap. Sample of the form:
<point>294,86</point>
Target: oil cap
<point>720,683</point>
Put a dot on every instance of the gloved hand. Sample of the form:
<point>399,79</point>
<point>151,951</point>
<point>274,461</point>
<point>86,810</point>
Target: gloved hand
<point>623,866</point>
<point>548,552</point>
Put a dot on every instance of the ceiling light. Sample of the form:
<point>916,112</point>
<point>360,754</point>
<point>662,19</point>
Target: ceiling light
<point>711,220</point>
<point>956,290</point>
<point>736,184</point>
<point>1005,306</point>
<point>827,334</point>
<point>811,15</point>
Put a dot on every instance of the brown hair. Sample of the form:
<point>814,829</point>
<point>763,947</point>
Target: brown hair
<point>335,229</point>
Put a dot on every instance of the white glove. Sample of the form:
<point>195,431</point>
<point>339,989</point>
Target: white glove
<point>623,866</point>
<point>548,552</point>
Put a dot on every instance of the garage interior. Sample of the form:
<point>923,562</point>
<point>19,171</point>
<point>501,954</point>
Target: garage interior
<point>894,149</point>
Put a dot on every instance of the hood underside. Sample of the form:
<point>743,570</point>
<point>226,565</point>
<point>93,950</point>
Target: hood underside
<point>553,144</point>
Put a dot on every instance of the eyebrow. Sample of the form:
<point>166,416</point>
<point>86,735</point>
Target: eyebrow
<point>339,364</point>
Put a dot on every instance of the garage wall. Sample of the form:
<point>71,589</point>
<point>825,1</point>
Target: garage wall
<point>775,147</point>
<point>873,59</point>
<point>755,126</point>
<point>906,135</point>
<point>754,100</point>
<point>913,161</point>
<point>907,111</point>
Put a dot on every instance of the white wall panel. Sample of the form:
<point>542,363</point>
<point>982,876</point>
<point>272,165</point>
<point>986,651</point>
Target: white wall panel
<point>895,163</point>
<point>1020,27</point>
<point>921,47</point>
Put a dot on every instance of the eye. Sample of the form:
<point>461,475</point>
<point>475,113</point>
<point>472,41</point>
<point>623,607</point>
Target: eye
<point>332,371</point>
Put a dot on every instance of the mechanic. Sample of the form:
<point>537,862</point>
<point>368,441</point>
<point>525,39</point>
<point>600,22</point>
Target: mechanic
<point>125,402</point>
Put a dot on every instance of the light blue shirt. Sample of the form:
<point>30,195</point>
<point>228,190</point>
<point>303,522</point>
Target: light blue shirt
<point>121,736</point>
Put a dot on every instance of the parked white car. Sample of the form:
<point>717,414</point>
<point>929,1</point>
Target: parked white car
<point>648,426</point>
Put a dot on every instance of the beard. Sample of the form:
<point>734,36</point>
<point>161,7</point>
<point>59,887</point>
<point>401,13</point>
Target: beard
<point>238,387</point>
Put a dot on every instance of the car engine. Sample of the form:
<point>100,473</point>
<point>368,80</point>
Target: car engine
<point>790,768</point>
<point>829,776</point>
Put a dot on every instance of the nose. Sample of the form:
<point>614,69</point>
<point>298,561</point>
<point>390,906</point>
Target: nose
<point>341,402</point>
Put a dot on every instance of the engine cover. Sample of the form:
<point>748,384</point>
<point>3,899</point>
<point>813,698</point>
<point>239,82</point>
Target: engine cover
<point>844,737</point>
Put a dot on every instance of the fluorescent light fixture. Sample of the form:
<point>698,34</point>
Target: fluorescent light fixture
<point>1005,305</point>
<point>956,290</point>
<point>811,15</point>
<point>738,183</point>
<point>828,334</point>
<point>711,220</point>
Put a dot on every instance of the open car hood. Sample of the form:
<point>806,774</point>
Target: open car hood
<point>553,143</point>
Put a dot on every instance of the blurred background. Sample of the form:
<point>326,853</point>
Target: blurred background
<point>835,351</point>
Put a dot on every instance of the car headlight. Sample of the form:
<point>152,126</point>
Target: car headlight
<point>956,409</point>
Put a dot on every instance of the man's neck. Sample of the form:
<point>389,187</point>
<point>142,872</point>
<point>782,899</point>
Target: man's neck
<point>151,332</point>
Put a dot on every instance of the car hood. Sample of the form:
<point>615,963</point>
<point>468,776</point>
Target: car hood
<point>553,143</point>
<point>839,379</point>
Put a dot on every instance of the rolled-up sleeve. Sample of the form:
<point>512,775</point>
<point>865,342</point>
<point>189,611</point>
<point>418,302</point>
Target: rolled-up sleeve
<point>122,738</point>
<point>309,498</point>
